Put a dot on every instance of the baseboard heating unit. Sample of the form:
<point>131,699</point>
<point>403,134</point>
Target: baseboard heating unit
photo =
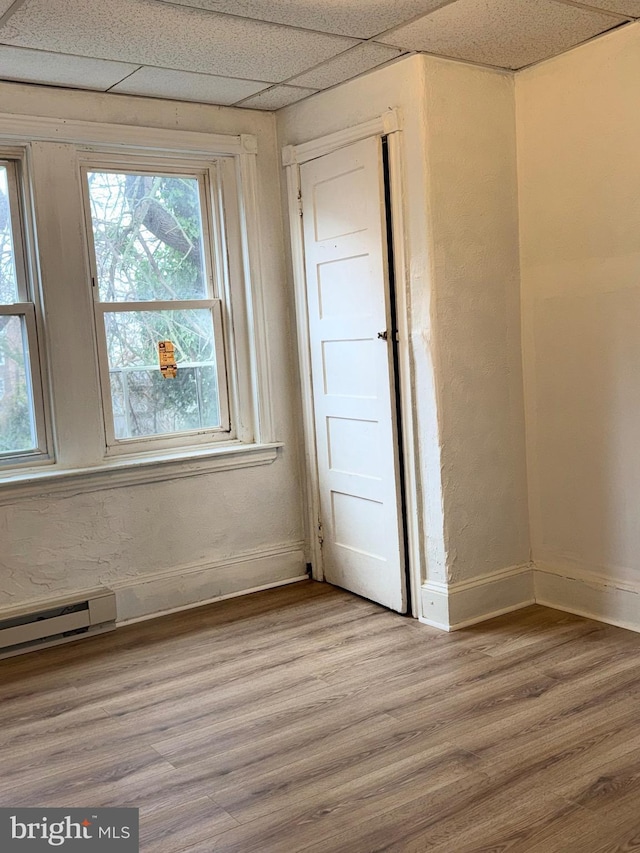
<point>24,629</point>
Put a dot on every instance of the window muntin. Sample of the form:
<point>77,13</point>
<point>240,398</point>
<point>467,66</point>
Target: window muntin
<point>152,264</point>
<point>22,422</point>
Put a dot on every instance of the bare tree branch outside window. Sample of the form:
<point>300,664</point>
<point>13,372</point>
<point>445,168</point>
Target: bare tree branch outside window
<point>148,240</point>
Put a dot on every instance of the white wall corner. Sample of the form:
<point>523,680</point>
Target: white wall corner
<point>456,605</point>
<point>575,589</point>
<point>257,314</point>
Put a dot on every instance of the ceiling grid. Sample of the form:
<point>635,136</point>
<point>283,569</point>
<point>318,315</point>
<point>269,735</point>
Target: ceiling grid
<point>265,54</point>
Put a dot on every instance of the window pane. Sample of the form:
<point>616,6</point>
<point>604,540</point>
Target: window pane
<point>17,426</point>
<point>8,278</point>
<point>147,232</point>
<point>144,402</point>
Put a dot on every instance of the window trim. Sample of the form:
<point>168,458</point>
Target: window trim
<point>134,471</point>
<point>254,415</point>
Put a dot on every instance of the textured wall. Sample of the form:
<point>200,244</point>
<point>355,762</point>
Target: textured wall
<point>462,242</point>
<point>62,544</point>
<point>473,206</point>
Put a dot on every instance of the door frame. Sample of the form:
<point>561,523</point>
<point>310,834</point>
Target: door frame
<point>388,124</point>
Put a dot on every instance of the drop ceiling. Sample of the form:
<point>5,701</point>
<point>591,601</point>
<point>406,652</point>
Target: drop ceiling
<point>265,54</point>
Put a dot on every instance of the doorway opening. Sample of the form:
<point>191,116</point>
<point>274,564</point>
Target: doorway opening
<point>352,330</point>
<point>393,306</point>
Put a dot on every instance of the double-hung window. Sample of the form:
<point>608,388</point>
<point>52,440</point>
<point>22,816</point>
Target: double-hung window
<point>157,266</point>
<point>22,417</point>
<point>132,323</point>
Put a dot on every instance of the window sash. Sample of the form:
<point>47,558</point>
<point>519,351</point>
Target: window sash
<point>207,181</point>
<point>17,234</point>
<point>183,438</point>
<point>207,178</point>
<point>25,309</point>
<point>27,312</point>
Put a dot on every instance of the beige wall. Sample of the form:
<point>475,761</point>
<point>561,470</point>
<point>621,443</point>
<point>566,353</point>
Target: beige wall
<point>231,529</point>
<point>463,284</point>
<point>579,159</point>
<point>473,206</point>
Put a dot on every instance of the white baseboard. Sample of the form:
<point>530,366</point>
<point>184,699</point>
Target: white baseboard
<point>559,586</point>
<point>575,590</point>
<point>457,605</point>
<point>184,587</point>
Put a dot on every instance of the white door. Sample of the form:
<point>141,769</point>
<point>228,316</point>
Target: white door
<point>352,370</point>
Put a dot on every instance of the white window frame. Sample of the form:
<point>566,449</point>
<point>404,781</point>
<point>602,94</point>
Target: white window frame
<point>216,272</point>
<point>26,307</point>
<point>54,150</point>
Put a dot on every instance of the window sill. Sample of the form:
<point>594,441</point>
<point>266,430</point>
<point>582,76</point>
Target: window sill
<point>116,473</point>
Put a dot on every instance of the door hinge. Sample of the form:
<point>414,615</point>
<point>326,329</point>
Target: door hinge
<point>300,202</point>
<point>320,533</point>
<point>386,335</point>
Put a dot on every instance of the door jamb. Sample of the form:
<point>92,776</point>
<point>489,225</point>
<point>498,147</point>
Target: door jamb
<point>389,125</point>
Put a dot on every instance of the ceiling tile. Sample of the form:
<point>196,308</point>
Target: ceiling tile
<point>5,5</point>
<point>277,97</point>
<point>57,69</point>
<point>150,33</point>
<point>359,18</point>
<point>507,33</point>
<point>623,7</point>
<point>187,86</point>
<point>356,61</point>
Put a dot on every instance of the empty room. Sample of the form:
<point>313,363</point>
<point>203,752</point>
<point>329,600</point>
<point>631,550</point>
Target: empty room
<point>309,543</point>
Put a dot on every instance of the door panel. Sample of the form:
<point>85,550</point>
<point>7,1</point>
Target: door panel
<point>352,372</point>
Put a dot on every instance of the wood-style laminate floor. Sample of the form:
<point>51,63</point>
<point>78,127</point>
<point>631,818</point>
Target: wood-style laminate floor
<point>304,718</point>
